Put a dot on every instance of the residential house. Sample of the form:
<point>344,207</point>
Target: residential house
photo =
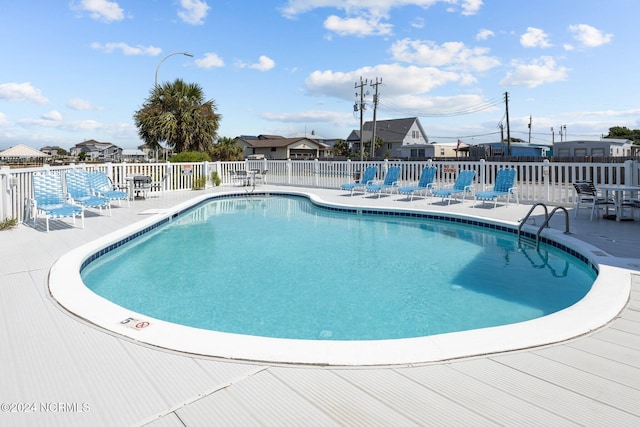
<point>605,147</point>
<point>401,138</point>
<point>277,147</point>
<point>522,149</point>
<point>98,151</point>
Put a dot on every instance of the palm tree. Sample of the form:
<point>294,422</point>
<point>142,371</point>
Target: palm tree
<point>226,149</point>
<point>177,114</point>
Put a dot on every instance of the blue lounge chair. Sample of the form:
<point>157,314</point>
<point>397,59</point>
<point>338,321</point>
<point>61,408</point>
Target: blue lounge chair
<point>504,186</point>
<point>101,186</point>
<point>425,184</point>
<point>389,184</point>
<point>49,198</point>
<point>368,176</point>
<point>462,185</point>
<point>79,191</point>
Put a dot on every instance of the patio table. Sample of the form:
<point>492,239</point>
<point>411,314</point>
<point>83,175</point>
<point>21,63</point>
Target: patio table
<point>618,197</point>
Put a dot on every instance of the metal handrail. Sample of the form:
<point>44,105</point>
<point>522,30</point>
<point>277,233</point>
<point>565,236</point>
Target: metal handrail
<point>546,222</point>
<point>524,220</point>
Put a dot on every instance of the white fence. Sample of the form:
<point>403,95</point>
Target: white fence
<point>546,182</point>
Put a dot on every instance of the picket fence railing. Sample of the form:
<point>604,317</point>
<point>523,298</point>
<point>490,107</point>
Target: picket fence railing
<point>546,182</point>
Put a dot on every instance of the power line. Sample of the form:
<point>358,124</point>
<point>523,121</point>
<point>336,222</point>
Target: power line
<point>467,110</point>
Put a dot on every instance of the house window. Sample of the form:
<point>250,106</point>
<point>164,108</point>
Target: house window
<point>563,152</point>
<point>389,146</point>
<point>597,152</point>
<point>442,151</point>
<point>417,152</point>
<point>580,152</point>
<point>415,134</point>
<point>273,148</point>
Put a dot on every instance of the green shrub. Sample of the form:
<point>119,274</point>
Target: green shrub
<point>199,183</point>
<point>215,178</point>
<point>190,156</point>
<point>8,223</point>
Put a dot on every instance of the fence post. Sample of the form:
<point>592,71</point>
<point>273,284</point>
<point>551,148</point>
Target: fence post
<point>316,173</point>
<point>289,166</point>
<point>546,180</point>
<point>5,187</point>
<point>482,179</point>
<point>628,172</point>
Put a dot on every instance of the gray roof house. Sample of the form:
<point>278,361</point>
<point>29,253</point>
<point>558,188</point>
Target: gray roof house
<point>98,151</point>
<point>404,138</point>
<point>277,147</point>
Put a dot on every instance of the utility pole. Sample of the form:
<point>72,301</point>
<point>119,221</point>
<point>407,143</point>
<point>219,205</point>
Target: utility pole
<point>553,136</point>
<point>506,102</point>
<point>375,108</point>
<point>361,107</point>
<point>502,137</point>
<point>529,128</point>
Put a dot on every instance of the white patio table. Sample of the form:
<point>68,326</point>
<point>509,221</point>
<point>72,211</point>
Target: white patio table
<point>618,196</point>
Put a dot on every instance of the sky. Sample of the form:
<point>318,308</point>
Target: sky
<point>75,70</point>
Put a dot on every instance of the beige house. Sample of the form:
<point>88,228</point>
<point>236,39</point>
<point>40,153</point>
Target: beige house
<point>275,147</point>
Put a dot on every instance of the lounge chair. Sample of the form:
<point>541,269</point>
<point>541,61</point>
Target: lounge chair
<point>504,186</point>
<point>389,184</point>
<point>49,197</point>
<point>239,177</point>
<point>587,194</point>
<point>425,184</point>
<point>79,190</point>
<point>101,185</point>
<point>462,185</point>
<point>368,176</point>
<point>161,185</point>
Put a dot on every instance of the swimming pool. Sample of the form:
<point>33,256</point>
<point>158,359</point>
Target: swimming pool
<point>74,296</point>
<point>282,267</point>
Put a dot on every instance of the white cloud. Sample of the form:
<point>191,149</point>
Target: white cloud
<point>264,64</point>
<point>372,7</point>
<point>81,105</point>
<point>539,71</point>
<point>449,54</point>
<point>471,7</point>
<point>313,116</point>
<point>358,26</point>
<point>210,60</point>
<point>193,11</point>
<point>534,37</point>
<point>100,10</point>
<point>53,115</point>
<point>126,49</point>
<point>398,80</point>
<point>588,36</point>
<point>3,120</point>
<point>21,92</point>
<point>484,34</point>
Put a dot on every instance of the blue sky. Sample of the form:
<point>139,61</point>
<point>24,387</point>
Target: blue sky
<point>79,69</point>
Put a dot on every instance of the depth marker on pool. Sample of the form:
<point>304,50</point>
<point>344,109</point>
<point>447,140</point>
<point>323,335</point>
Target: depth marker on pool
<point>136,324</point>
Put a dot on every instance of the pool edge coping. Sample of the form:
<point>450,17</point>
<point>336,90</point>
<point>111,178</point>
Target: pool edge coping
<point>607,298</point>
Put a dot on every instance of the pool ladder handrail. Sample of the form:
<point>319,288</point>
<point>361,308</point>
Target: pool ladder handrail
<point>547,218</point>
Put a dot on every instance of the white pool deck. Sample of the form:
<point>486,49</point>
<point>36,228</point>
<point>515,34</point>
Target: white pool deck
<point>58,370</point>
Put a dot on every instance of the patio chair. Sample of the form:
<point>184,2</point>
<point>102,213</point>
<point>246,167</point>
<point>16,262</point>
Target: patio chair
<point>504,186</point>
<point>49,198</point>
<point>101,185</point>
<point>463,184</point>
<point>425,184</point>
<point>79,190</point>
<point>389,184</point>
<point>261,176</point>
<point>368,176</point>
<point>587,194</point>
<point>161,185</point>
<point>239,177</point>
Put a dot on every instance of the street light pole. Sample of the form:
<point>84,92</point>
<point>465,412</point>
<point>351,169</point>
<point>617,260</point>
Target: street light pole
<point>165,58</point>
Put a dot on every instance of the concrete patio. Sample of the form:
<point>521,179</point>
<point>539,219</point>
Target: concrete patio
<point>59,370</point>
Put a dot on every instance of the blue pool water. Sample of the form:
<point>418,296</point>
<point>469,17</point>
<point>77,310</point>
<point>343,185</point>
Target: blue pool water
<point>280,267</point>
